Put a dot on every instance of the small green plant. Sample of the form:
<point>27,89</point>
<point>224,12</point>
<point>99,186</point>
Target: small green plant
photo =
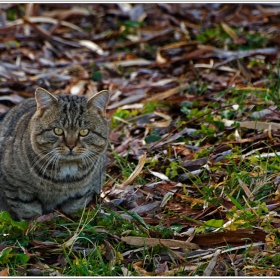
<point>12,44</point>
<point>151,106</point>
<point>122,114</point>
<point>96,76</point>
<point>255,40</point>
<point>129,26</point>
<point>10,229</point>
<point>172,170</point>
<point>209,225</point>
<point>152,137</point>
<point>216,35</point>
<point>8,256</point>
<point>272,92</point>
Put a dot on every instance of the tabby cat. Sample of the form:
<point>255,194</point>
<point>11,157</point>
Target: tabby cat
<point>52,153</point>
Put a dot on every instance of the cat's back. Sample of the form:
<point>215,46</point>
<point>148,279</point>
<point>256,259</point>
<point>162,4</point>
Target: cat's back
<point>20,113</point>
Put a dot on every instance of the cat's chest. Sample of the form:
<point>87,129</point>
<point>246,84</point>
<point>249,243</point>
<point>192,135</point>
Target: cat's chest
<point>66,170</point>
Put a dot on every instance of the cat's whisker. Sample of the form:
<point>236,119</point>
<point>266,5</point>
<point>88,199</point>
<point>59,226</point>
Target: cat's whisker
<point>93,161</point>
<point>89,158</point>
<point>41,158</point>
<point>87,162</point>
<point>51,160</point>
<point>55,166</point>
<point>41,167</point>
<point>38,156</point>
<point>51,156</point>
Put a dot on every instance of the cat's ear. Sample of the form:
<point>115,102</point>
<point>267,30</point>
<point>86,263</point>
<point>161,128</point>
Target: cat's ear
<point>99,100</point>
<point>44,100</point>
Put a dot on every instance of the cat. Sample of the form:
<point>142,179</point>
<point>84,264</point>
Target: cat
<point>52,154</point>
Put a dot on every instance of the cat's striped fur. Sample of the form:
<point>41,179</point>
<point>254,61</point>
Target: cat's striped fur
<point>52,153</point>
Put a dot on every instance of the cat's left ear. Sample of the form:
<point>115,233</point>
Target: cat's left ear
<point>44,100</point>
<point>100,100</point>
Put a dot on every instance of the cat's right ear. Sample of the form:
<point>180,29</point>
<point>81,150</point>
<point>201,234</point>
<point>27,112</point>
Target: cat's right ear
<point>100,100</point>
<point>44,100</point>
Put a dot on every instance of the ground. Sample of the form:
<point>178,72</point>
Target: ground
<point>192,178</point>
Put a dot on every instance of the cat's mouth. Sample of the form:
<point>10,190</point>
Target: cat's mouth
<point>70,156</point>
<point>75,155</point>
<point>67,153</point>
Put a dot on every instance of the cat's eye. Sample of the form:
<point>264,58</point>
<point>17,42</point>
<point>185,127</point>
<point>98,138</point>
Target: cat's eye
<point>58,131</point>
<point>84,132</point>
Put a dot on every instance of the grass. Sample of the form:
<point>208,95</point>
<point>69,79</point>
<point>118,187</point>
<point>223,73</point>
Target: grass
<point>90,245</point>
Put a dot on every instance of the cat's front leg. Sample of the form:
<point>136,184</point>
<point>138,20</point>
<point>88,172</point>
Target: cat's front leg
<point>73,204</point>
<point>24,210</point>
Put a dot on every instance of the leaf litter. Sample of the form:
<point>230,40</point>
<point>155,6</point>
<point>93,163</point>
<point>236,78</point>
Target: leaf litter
<point>192,184</point>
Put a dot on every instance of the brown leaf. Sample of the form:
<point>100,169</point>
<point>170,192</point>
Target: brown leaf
<point>128,63</point>
<point>151,242</point>
<point>92,46</point>
<point>47,217</point>
<point>161,123</point>
<point>140,270</point>
<point>180,268</point>
<point>212,263</point>
<point>4,272</point>
<point>229,31</point>
<point>260,125</point>
<point>37,28</point>
<point>238,236</point>
<point>146,208</point>
<point>244,70</point>
<point>168,93</point>
<point>245,187</point>
<point>136,171</point>
<point>161,268</point>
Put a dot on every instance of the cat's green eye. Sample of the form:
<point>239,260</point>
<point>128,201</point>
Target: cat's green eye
<point>58,131</point>
<point>84,132</point>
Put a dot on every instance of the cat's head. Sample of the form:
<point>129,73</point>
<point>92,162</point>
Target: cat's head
<point>70,127</point>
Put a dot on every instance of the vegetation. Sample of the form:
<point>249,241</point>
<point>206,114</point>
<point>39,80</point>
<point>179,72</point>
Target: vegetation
<point>192,185</point>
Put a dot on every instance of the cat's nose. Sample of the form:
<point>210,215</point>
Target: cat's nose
<point>71,146</point>
<point>70,142</point>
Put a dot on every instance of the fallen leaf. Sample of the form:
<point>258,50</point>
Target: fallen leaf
<point>165,123</point>
<point>70,241</point>
<point>136,171</point>
<point>160,175</point>
<point>92,46</point>
<point>140,270</point>
<point>168,93</point>
<point>229,31</point>
<point>209,240</point>
<point>161,268</point>
<point>244,187</point>
<point>45,20</point>
<point>128,63</point>
<point>208,270</point>
<point>146,208</point>
<point>126,272</point>
<point>180,269</point>
<point>4,272</point>
<point>152,242</point>
<point>166,198</point>
<point>259,125</point>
